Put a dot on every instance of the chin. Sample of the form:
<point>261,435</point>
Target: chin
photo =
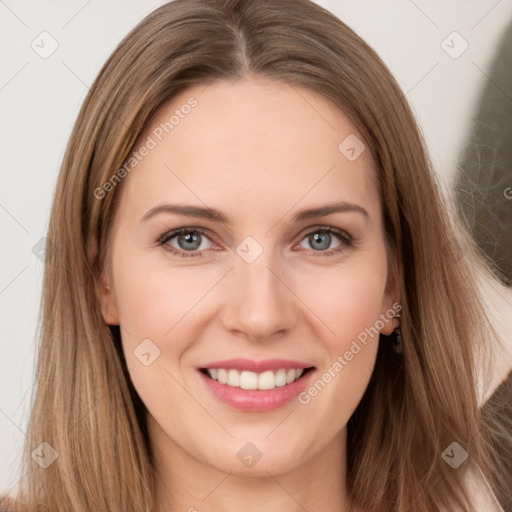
<point>257,457</point>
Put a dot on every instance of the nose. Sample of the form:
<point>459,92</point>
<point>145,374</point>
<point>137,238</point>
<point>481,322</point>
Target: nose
<point>261,304</point>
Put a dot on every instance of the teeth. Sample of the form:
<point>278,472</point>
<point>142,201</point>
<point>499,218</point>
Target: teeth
<point>248,380</point>
<point>222,376</point>
<point>251,380</point>
<point>233,378</point>
<point>281,377</point>
<point>267,380</point>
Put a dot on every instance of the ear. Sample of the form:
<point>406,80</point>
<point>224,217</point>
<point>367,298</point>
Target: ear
<point>108,302</point>
<point>391,304</point>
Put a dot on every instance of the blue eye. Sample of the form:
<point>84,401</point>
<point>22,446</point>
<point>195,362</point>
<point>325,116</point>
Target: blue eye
<point>190,241</point>
<point>321,239</point>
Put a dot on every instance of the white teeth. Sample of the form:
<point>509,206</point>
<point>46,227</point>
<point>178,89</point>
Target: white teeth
<point>251,380</point>
<point>222,376</point>
<point>281,377</point>
<point>248,380</point>
<point>267,380</point>
<point>233,378</point>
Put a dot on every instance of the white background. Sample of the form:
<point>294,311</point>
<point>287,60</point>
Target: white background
<point>40,98</point>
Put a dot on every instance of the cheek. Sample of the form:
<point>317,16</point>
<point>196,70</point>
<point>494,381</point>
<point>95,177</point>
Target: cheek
<point>155,305</point>
<point>359,306</point>
<point>350,306</point>
<point>349,303</point>
<point>152,296</point>
<point>351,310</point>
<point>170,307</point>
<point>152,303</point>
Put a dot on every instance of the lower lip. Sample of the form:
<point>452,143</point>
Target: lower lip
<point>257,400</point>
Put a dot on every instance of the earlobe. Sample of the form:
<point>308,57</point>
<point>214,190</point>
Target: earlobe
<point>108,302</point>
<point>392,318</point>
<point>391,313</point>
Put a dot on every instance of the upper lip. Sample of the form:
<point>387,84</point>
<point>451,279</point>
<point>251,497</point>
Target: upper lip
<point>257,366</point>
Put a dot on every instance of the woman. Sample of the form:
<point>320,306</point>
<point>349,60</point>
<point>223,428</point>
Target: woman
<point>254,296</point>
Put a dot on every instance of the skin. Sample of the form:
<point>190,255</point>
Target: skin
<point>259,151</point>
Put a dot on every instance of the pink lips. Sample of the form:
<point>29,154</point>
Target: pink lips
<point>256,400</point>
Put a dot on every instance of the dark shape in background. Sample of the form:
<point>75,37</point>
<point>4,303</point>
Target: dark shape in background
<point>485,167</point>
<point>484,201</point>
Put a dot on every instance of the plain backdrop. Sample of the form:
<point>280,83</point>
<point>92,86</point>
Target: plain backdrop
<point>40,98</point>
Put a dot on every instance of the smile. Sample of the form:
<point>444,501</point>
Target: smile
<point>252,380</point>
<point>257,386</point>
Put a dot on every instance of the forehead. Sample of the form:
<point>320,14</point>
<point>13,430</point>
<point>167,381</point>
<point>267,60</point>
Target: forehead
<point>250,140</point>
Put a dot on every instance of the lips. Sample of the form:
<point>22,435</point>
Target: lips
<point>251,385</point>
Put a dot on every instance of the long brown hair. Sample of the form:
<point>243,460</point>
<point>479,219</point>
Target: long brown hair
<point>416,405</point>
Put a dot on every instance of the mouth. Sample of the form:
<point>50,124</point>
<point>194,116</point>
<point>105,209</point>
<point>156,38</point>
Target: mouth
<point>256,386</point>
<point>262,381</point>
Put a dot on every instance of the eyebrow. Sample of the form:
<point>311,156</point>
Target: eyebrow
<point>218,216</point>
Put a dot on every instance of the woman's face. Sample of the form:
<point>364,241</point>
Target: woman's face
<point>255,288</point>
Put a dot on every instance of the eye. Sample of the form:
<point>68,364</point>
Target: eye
<point>322,237</point>
<point>187,240</point>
